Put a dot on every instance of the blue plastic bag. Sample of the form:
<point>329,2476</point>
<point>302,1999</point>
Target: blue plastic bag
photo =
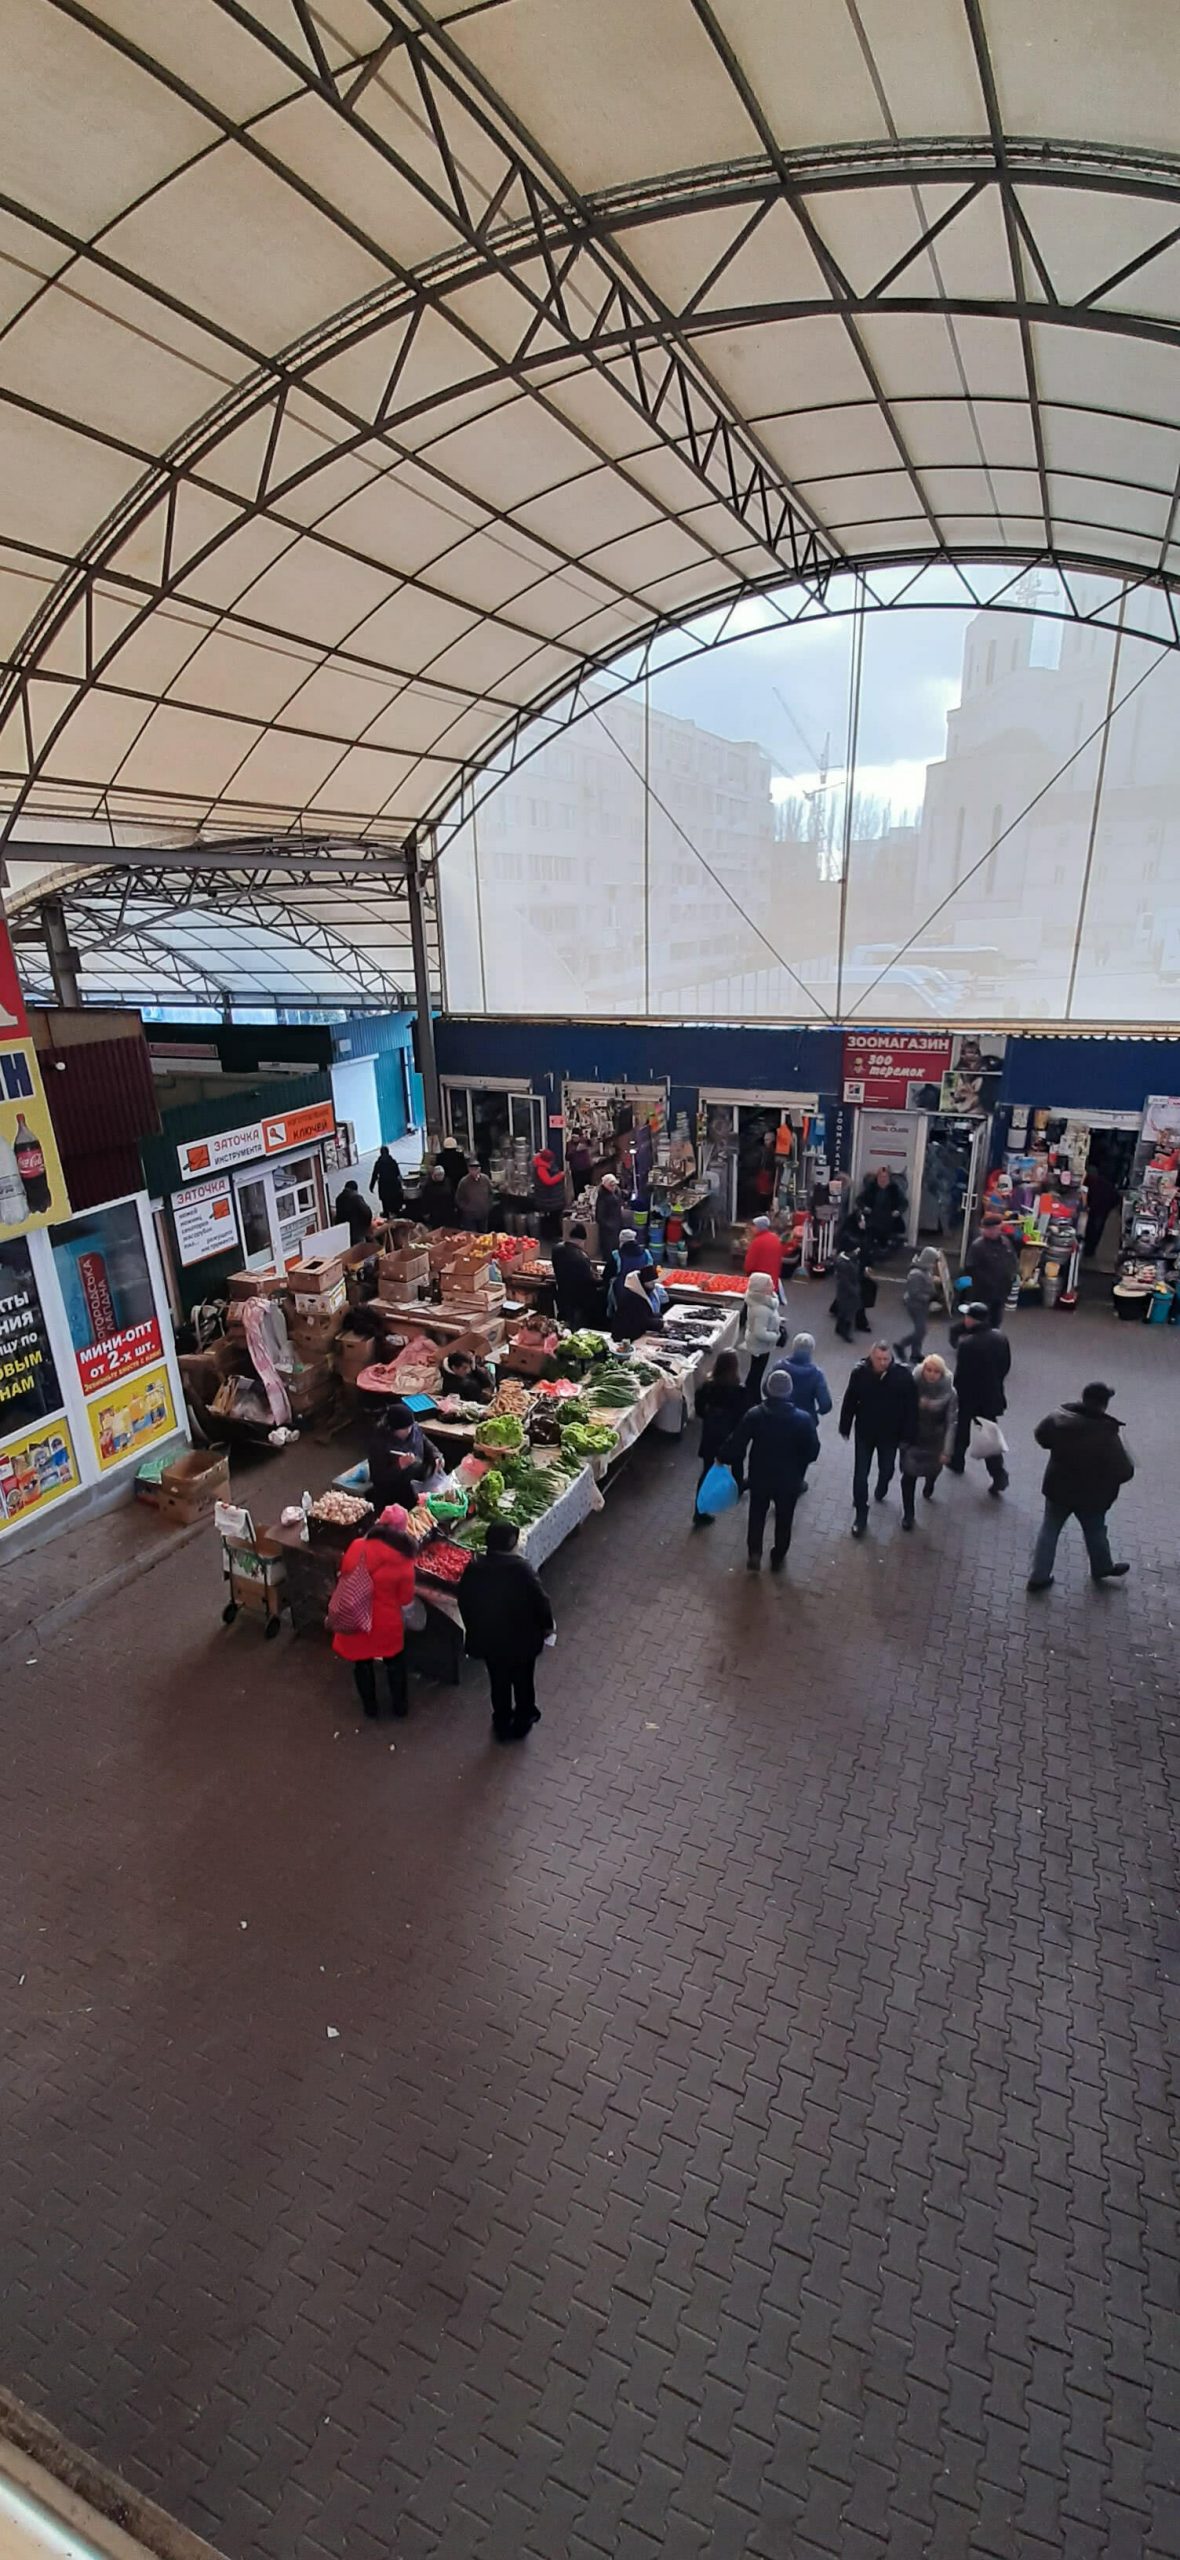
<point>717,1493</point>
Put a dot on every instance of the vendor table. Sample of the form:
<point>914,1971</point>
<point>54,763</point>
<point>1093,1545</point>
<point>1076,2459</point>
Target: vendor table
<point>435,1651</point>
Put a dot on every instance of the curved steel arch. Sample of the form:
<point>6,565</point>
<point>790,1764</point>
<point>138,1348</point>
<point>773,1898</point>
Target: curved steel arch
<point>561,253</point>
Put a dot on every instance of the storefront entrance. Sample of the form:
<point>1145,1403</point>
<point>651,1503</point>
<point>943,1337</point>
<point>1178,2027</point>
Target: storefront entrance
<point>749,1170</point>
<point>951,1179</point>
<point>279,1204</point>
<point>487,1119</point>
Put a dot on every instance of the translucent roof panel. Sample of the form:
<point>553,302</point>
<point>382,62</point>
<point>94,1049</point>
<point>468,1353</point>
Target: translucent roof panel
<point>375,370</point>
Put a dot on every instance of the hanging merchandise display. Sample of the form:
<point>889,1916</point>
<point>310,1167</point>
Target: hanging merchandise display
<point>32,1184</point>
<point>1148,1285</point>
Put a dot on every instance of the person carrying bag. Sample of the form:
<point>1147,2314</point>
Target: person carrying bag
<point>366,1613</point>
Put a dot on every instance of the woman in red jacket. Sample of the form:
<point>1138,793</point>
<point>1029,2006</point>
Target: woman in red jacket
<point>389,1561</point>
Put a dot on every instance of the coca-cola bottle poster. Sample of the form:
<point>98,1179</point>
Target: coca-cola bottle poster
<point>32,1185</point>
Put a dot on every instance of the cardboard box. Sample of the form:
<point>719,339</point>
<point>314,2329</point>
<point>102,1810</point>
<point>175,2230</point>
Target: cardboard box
<point>317,1279</point>
<point>311,1387</point>
<point>313,1336</point>
<point>471,1271</point>
<point>191,1485</point>
<point>323,1302</point>
<point>399,1274</point>
<point>480,1339</point>
<point>269,1283</point>
<point>353,1354</point>
<point>441,1250</point>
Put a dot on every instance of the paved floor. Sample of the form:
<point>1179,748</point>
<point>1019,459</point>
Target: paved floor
<point>740,2121</point>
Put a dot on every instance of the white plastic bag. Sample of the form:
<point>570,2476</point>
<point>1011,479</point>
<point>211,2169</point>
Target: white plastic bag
<point>987,1439</point>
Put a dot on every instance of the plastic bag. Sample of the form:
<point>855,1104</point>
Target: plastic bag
<point>718,1492</point>
<point>987,1439</point>
<point>350,1609</point>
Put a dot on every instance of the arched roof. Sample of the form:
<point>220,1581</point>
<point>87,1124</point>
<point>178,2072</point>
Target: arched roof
<point>371,369</point>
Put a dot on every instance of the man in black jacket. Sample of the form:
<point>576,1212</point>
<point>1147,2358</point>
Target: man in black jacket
<point>579,1289</point>
<point>386,1181</point>
<point>1089,1462</point>
<point>984,1359</point>
<point>991,1265</point>
<point>880,1409</point>
<point>777,1444</point>
<point>507,1619</point>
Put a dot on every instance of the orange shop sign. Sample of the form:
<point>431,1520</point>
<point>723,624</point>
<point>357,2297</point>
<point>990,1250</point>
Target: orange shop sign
<point>224,1147</point>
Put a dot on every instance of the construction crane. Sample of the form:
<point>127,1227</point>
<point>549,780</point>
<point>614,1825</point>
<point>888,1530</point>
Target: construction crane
<point>819,814</point>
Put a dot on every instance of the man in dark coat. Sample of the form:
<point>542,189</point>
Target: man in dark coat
<point>879,1411</point>
<point>1089,1463</point>
<point>991,1266</point>
<point>776,1445</point>
<point>883,1205</point>
<point>507,1619</point>
<point>353,1212</point>
<point>579,1289</point>
<point>984,1359</point>
<point>386,1181</point>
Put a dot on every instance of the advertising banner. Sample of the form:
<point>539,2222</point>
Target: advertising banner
<point>107,1294</point>
<point>35,1469</point>
<point>120,1355</point>
<point>32,1184</point>
<point>204,1220</point>
<point>971,1081</point>
<point>126,1420</point>
<point>29,1388</point>
<point>259,1138</point>
<point>896,1070</point>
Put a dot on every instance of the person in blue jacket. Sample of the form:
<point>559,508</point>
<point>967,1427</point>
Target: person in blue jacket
<point>810,1392</point>
<point>776,1446</point>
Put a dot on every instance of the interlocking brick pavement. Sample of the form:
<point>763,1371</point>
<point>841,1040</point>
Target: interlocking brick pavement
<point>751,2127</point>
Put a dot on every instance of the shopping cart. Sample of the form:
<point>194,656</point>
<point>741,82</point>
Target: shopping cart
<point>252,1568</point>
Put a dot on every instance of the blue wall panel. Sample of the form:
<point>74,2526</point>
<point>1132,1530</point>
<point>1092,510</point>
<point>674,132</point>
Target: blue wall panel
<point>1111,1075</point>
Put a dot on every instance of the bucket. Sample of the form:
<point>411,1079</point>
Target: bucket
<point>1132,1305</point>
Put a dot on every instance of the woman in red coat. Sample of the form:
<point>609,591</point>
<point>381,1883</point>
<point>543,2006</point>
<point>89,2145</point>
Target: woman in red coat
<point>389,1559</point>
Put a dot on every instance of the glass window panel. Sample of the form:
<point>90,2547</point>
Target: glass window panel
<point>748,761</point>
<point>29,1386</point>
<point>974,794</point>
<point>1128,962</point>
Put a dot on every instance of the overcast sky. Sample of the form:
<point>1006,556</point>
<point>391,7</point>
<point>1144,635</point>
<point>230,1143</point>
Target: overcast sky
<point>911,676</point>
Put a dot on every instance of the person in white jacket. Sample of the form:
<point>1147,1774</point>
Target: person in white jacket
<point>763,1325</point>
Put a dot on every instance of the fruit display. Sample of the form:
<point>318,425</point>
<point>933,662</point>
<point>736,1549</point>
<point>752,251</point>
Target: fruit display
<point>714,1284</point>
<point>444,1561</point>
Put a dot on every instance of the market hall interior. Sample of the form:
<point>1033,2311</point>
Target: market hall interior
<point>738,2122</point>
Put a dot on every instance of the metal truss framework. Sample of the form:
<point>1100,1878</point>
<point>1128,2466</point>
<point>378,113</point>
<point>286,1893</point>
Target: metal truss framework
<point>535,289</point>
<point>212,922</point>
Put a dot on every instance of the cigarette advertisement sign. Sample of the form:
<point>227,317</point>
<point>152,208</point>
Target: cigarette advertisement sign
<point>35,1469</point>
<point>32,1184</point>
<point>204,1220</point>
<point>223,1147</point>
<point>125,1421</point>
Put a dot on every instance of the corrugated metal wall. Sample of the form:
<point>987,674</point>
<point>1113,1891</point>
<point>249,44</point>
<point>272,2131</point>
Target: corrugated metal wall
<point>102,1103</point>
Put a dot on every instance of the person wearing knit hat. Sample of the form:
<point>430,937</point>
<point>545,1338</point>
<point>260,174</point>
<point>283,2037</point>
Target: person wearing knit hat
<point>773,1446</point>
<point>1089,1463</point>
<point>765,1252</point>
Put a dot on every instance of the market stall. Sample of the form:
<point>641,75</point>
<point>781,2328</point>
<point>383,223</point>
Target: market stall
<point>1148,1282</point>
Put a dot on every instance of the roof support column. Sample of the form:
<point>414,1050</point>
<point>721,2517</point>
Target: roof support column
<point>427,1062</point>
<point>63,961</point>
